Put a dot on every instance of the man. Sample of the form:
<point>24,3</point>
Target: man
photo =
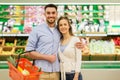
<point>43,43</point>
<point>44,39</point>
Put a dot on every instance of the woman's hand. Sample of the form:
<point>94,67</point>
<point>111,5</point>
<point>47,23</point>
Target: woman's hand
<point>75,78</point>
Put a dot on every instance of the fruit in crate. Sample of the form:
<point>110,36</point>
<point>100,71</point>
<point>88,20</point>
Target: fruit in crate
<point>18,51</point>
<point>21,42</point>
<point>9,44</point>
<point>117,51</point>
<point>117,41</point>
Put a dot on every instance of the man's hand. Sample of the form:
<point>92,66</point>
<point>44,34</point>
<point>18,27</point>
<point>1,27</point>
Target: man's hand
<point>26,54</point>
<point>79,45</point>
<point>52,58</point>
<point>30,54</point>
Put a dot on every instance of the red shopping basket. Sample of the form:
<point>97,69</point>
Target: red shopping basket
<point>24,63</point>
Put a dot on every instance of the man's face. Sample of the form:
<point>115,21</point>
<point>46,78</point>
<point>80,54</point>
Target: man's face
<point>51,15</point>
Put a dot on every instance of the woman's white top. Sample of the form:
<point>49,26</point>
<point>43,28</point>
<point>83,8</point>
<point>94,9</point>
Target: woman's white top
<point>70,58</point>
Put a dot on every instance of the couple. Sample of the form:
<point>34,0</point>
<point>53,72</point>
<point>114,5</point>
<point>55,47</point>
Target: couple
<point>50,41</point>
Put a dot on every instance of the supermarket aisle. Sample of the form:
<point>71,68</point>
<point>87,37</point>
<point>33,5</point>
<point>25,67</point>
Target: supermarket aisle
<point>88,74</point>
<point>101,74</point>
<point>4,74</point>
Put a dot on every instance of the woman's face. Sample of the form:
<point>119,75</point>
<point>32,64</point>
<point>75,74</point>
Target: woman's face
<point>64,26</point>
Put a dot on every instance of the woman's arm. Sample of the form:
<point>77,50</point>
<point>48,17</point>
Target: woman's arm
<point>76,76</point>
<point>78,61</point>
<point>78,56</point>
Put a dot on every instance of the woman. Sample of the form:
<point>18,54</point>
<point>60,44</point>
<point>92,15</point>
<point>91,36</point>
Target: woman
<point>70,57</point>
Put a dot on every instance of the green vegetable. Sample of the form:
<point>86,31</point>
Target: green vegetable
<point>19,51</point>
<point>12,60</point>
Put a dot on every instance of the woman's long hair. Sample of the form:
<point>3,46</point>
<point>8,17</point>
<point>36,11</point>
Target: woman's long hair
<point>70,29</point>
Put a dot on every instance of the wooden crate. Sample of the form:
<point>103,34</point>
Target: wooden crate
<point>9,42</point>
<point>19,49</point>
<point>85,57</point>
<point>0,50</point>
<point>117,57</point>
<point>21,41</point>
<point>7,50</point>
<point>103,57</point>
<point>1,42</point>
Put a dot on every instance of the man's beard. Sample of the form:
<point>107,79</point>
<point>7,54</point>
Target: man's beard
<point>50,22</point>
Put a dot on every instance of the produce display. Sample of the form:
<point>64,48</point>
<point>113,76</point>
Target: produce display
<point>85,19</point>
<point>102,46</point>
<point>117,41</point>
<point>21,42</point>
<point>9,44</point>
<point>8,41</point>
<point>12,46</point>
<point>7,50</point>
<point>93,46</point>
<point>117,50</point>
<point>19,50</point>
<point>0,42</point>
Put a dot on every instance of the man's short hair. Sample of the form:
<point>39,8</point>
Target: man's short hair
<point>50,5</point>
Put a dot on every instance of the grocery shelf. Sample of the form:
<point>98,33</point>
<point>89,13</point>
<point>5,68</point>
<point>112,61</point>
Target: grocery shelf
<point>90,34</point>
<point>101,65</point>
<point>13,35</point>
<point>22,34</point>
<point>93,11</point>
<point>85,65</point>
<point>82,11</point>
<point>113,33</point>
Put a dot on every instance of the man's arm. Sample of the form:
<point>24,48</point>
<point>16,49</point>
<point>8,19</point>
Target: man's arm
<point>83,46</point>
<point>36,55</point>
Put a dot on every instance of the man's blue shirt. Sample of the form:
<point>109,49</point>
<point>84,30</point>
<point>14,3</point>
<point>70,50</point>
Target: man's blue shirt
<point>45,41</point>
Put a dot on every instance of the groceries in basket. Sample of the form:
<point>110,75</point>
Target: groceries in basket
<point>24,66</point>
<point>23,69</point>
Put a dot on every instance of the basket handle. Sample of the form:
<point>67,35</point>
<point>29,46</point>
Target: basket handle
<point>19,56</point>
